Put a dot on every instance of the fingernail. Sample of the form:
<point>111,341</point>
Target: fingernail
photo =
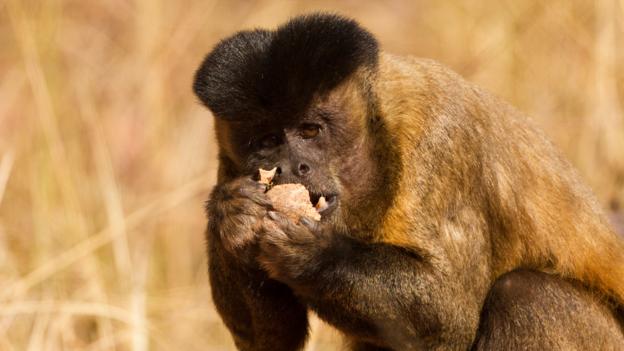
<point>273,215</point>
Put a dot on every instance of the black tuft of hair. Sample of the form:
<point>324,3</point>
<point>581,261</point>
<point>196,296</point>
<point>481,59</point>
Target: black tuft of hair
<point>228,81</point>
<point>260,73</point>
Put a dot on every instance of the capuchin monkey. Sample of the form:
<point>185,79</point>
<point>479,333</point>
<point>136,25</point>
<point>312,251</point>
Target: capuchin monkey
<point>451,222</point>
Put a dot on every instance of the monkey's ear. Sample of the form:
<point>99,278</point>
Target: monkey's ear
<point>256,74</point>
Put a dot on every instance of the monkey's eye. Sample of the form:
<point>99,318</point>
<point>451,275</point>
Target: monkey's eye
<point>268,141</point>
<point>309,130</point>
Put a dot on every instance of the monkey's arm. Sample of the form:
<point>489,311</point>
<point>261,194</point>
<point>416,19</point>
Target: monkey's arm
<point>261,313</point>
<point>378,292</point>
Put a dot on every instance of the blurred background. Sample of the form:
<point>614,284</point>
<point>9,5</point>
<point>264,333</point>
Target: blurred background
<point>106,156</point>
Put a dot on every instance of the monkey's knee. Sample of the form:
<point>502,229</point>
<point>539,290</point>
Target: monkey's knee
<point>529,310</point>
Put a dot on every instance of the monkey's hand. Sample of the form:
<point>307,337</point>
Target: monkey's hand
<point>374,290</point>
<point>235,212</point>
<point>288,248</point>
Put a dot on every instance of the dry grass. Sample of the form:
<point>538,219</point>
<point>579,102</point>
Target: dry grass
<point>106,158</point>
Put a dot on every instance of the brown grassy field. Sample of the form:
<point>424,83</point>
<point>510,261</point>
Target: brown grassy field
<point>106,157</point>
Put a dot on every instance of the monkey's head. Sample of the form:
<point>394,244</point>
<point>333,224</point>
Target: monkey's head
<point>299,98</point>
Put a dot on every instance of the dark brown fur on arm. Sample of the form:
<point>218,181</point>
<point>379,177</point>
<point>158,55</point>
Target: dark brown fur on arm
<point>253,306</point>
<point>379,293</point>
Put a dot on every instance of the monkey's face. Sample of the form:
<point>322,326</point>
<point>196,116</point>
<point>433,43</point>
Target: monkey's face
<point>294,98</point>
<point>322,147</point>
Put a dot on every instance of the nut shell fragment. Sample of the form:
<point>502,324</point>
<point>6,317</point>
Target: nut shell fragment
<point>293,200</point>
<point>321,205</point>
<point>266,177</point>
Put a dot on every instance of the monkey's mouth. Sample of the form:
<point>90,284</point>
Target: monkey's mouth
<point>324,203</point>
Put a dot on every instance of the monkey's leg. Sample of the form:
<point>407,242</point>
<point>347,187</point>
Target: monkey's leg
<point>261,314</point>
<point>528,310</point>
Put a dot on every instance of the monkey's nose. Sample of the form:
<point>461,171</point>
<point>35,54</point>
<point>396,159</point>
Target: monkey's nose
<point>303,169</point>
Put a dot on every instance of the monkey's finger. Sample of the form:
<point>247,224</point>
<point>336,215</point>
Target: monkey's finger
<point>243,186</point>
<point>312,225</point>
<point>278,217</point>
<point>256,194</point>
<point>285,223</point>
<point>243,206</point>
<point>243,189</point>
<point>270,230</point>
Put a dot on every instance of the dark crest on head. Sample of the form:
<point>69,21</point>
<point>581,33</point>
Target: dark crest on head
<point>258,73</point>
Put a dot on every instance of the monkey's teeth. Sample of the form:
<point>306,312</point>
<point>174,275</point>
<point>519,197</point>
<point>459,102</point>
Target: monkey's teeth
<point>321,205</point>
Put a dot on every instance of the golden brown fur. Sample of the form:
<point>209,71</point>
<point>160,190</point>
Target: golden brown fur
<point>547,218</point>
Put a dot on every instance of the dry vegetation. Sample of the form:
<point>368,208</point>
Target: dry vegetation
<point>106,157</point>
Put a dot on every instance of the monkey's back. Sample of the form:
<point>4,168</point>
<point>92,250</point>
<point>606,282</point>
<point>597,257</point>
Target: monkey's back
<point>500,186</point>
